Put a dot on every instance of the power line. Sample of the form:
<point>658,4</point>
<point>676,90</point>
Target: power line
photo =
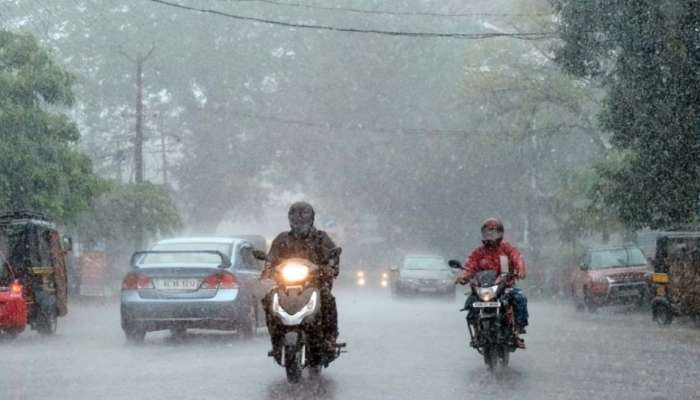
<point>471,36</point>
<point>387,12</point>
<point>352,127</point>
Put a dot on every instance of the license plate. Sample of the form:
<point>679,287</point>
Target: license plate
<point>176,284</point>
<point>486,304</point>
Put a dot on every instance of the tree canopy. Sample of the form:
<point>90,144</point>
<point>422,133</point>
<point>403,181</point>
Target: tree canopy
<point>40,167</point>
<point>647,55</point>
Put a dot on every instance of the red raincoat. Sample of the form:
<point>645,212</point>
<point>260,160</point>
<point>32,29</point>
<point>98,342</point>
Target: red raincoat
<point>498,258</point>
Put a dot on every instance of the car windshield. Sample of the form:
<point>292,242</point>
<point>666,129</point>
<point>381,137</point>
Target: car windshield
<point>426,263</point>
<point>612,258</point>
<point>201,259</point>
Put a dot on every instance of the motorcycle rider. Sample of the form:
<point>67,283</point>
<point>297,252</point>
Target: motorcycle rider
<point>501,256</point>
<point>303,240</point>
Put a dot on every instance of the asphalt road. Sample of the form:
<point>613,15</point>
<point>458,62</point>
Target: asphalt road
<point>408,349</point>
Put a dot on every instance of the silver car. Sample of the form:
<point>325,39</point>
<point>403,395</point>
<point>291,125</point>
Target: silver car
<point>206,283</point>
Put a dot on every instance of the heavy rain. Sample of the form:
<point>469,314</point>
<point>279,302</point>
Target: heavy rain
<point>349,199</point>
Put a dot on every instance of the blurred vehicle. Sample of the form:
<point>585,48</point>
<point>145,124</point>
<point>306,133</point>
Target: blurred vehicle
<point>296,307</point>
<point>423,274</point>
<point>207,283</point>
<point>13,306</point>
<point>35,253</point>
<point>675,282</point>
<point>493,331</point>
<point>372,278</point>
<point>609,275</point>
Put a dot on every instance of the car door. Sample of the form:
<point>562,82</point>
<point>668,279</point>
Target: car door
<point>248,269</point>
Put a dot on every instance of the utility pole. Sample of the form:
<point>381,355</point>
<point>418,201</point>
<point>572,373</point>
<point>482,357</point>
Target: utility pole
<point>163,150</point>
<point>139,60</point>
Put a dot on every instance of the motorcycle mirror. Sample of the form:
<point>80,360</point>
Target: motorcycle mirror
<point>333,255</point>
<point>455,264</point>
<point>259,255</point>
<point>67,243</point>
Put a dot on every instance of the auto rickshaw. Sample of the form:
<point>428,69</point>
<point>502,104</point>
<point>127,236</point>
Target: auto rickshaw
<point>676,278</point>
<point>32,248</point>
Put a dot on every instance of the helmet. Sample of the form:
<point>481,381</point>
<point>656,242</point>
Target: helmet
<point>301,219</point>
<point>492,230</point>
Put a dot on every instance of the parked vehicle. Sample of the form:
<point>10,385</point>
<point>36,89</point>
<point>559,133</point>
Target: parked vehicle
<point>206,283</point>
<point>13,306</point>
<point>35,253</point>
<point>675,282</point>
<point>428,274</point>
<point>296,304</point>
<point>493,335</point>
<point>610,275</point>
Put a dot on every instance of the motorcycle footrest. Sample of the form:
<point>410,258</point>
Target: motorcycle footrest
<point>341,345</point>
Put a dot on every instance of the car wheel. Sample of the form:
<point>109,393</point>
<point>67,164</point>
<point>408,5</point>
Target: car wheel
<point>588,301</point>
<point>662,313</point>
<point>47,322</point>
<point>134,334</point>
<point>12,333</point>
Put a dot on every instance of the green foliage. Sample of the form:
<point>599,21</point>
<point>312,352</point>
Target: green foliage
<point>647,54</point>
<point>40,168</point>
<point>115,213</point>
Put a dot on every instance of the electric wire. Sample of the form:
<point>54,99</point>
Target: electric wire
<point>471,36</point>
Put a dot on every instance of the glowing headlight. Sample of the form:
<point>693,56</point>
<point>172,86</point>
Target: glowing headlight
<point>384,283</point>
<point>361,281</point>
<point>385,275</point>
<point>295,272</point>
<point>487,294</point>
<point>360,274</point>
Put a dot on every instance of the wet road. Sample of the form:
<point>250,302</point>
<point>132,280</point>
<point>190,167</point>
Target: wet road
<point>410,349</point>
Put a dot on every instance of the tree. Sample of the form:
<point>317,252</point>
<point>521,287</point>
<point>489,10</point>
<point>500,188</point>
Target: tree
<point>647,55</point>
<point>40,167</point>
<point>113,216</point>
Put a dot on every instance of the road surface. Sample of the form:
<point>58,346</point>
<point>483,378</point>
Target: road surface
<point>408,349</point>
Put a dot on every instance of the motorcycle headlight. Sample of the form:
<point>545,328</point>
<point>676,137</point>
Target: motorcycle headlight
<point>295,272</point>
<point>487,294</point>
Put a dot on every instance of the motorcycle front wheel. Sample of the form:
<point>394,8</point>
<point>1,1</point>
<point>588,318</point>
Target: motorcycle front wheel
<point>292,363</point>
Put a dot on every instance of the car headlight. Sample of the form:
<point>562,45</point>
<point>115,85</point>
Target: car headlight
<point>487,294</point>
<point>360,274</point>
<point>361,281</point>
<point>385,275</point>
<point>294,272</point>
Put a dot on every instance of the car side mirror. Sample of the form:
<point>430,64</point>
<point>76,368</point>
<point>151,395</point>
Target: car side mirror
<point>393,268</point>
<point>455,264</point>
<point>259,255</point>
<point>67,243</point>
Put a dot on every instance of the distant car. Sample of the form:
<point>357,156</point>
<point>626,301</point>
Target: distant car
<point>190,283</point>
<point>424,274</point>
<point>610,275</point>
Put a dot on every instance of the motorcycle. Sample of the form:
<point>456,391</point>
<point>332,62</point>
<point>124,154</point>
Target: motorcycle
<point>295,305</point>
<point>493,332</point>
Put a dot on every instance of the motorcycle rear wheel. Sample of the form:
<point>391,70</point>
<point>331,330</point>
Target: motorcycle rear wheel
<point>490,357</point>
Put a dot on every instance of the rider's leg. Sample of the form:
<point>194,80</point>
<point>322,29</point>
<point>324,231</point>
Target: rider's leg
<point>520,308</point>
<point>471,316</point>
<point>276,338</point>
<point>329,312</point>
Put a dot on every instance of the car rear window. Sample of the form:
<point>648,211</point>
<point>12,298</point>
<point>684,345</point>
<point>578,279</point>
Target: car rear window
<point>425,263</point>
<point>611,258</point>
<point>193,259</point>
